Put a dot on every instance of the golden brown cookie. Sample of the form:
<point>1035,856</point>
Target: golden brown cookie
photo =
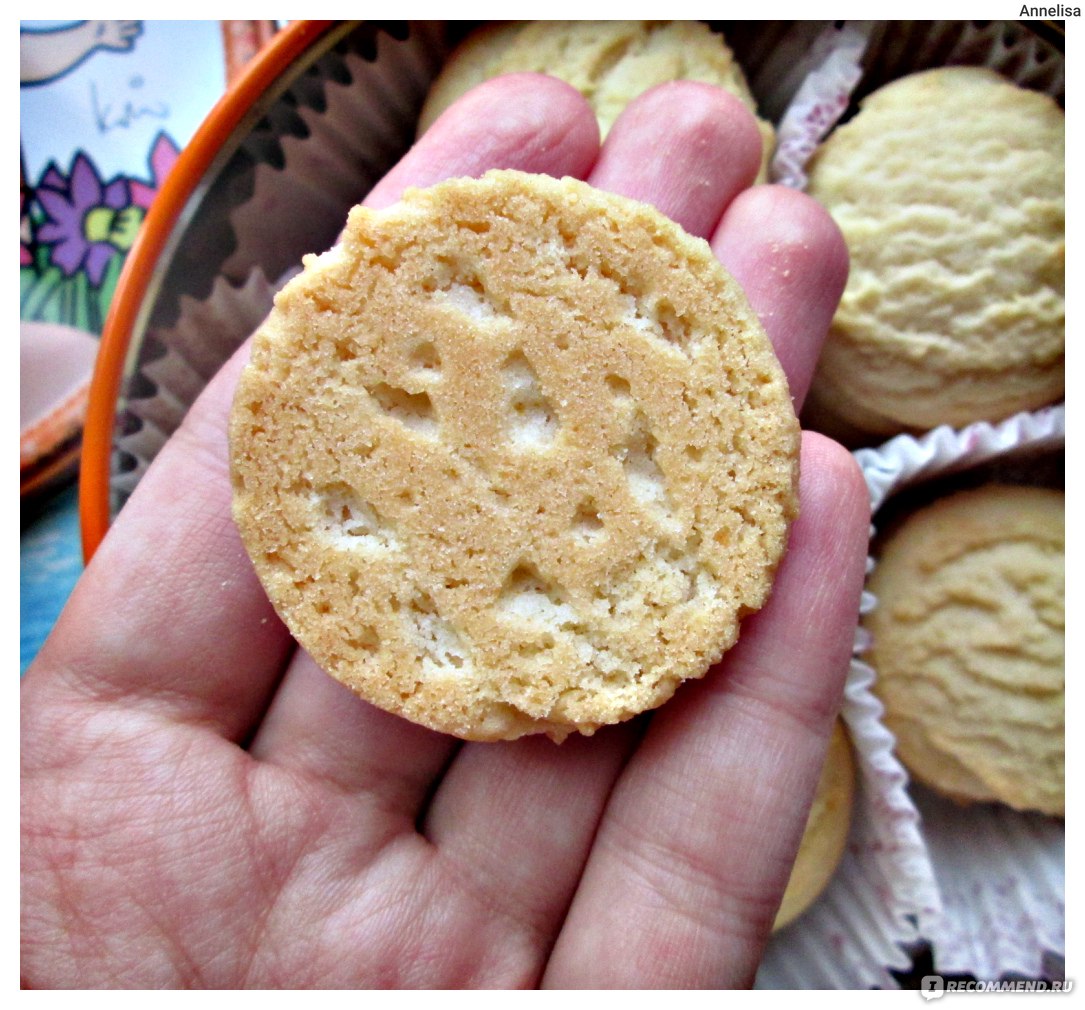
<point>609,62</point>
<point>949,189</point>
<point>514,457</point>
<point>968,644</point>
<point>826,834</point>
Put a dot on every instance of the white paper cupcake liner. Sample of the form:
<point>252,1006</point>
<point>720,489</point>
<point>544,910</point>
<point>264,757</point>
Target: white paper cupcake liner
<point>820,101</point>
<point>999,872</point>
<point>904,460</point>
<point>863,924</point>
<point>1002,879</point>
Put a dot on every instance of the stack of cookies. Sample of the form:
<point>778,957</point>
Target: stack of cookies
<point>948,187</point>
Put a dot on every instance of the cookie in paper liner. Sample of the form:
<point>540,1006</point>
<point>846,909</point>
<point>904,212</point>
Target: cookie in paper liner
<point>949,188</point>
<point>968,639</point>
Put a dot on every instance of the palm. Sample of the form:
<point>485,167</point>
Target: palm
<point>202,806</point>
<point>229,871</point>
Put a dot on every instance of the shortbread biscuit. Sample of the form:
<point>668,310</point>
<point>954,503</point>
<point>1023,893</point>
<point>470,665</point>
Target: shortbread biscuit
<point>949,189</point>
<point>515,456</point>
<point>826,833</point>
<point>609,62</point>
<point>968,644</point>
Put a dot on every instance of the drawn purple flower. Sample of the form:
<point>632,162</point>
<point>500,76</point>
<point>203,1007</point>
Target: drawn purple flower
<point>88,222</point>
<point>53,179</point>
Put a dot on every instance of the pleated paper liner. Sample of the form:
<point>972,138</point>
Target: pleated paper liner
<point>1002,877</point>
<point>177,362</point>
<point>868,920</point>
<point>850,60</point>
<point>317,150</point>
<point>999,871</point>
<point>363,126</point>
<point>1002,905</point>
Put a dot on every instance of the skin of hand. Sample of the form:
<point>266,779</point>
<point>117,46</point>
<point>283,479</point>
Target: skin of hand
<point>202,806</point>
<point>45,55</point>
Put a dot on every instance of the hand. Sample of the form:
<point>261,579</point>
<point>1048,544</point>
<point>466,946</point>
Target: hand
<point>48,54</point>
<point>118,35</point>
<point>202,806</point>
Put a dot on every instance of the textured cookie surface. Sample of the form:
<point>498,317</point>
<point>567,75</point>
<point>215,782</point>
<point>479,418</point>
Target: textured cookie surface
<point>609,62</point>
<point>968,645</point>
<point>514,457</point>
<point>826,833</point>
<point>949,189</point>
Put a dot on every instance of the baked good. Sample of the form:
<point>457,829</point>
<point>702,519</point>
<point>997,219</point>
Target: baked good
<point>826,833</point>
<point>968,644</point>
<point>609,62</point>
<point>515,456</point>
<point>949,188</point>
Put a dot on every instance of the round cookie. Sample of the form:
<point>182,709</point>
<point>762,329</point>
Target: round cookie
<point>826,834</point>
<point>969,642</point>
<point>609,62</point>
<point>514,457</point>
<point>949,188</point>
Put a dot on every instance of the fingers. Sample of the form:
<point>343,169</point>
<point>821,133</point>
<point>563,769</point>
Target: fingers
<point>482,812</point>
<point>686,148</point>
<point>170,614</point>
<point>517,819</point>
<point>529,122</point>
<point>695,846</point>
<point>791,260</point>
<point>319,728</point>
